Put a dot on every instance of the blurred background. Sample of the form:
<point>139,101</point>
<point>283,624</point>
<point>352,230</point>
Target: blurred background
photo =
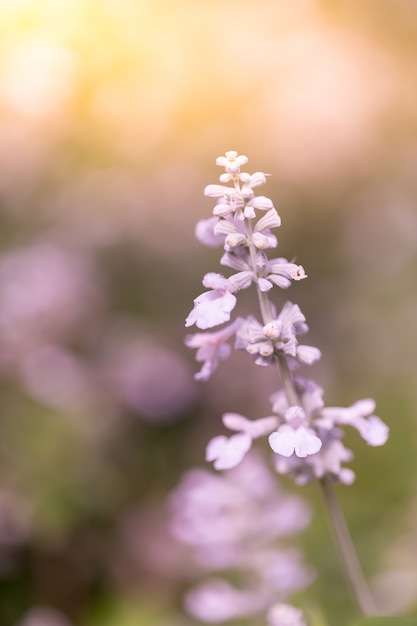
<point>112,113</point>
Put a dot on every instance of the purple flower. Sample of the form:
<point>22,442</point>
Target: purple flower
<point>359,415</point>
<point>295,436</point>
<point>250,337</point>
<point>233,521</point>
<point>213,307</point>
<point>216,601</point>
<point>327,461</point>
<point>230,201</point>
<point>285,615</point>
<point>227,452</point>
<point>265,273</point>
<point>277,336</point>
<point>204,232</point>
<point>280,272</point>
<point>212,348</point>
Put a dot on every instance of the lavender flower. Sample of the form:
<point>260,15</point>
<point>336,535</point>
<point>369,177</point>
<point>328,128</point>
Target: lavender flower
<point>212,348</point>
<point>228,452</point>
<point>285,615</point>
<point>295,436</point>
<point>305,436</point>
<point>235,523</point>
<point>213,307</point>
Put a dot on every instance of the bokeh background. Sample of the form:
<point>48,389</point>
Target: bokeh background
<point>112,113</point>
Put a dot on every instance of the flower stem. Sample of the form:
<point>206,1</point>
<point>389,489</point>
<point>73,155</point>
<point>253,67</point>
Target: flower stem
<point>343,540</point>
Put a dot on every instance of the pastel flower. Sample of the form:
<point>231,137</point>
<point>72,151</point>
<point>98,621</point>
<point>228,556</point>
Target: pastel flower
<point>373,430</point>
<point>359,415</point>
<point>261,202</point>
<point>234,234</point>
<point>204,232</point>
<point>295,436</point>
<point>227,452</point>
<point>217,601</point>
<point>277,336</point>
<point>230,200</point>
<point>214,307</point>
<point>232,162</point>
<point>279,272</point>
<point>285,615</point>
<point>250,336</point>
<point>212,348</point>
<point>307,354</point>
<point>253,180</point>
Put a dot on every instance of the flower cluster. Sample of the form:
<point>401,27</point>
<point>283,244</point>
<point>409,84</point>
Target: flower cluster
<point>238,523</point>
<point>304,435</point>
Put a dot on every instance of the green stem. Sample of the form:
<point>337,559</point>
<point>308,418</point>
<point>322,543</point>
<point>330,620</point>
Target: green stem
<point>343,540</point>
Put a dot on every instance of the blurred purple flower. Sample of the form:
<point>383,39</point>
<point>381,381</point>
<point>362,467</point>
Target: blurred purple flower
<point>232,522</point>
<point>215,601</point>
<point>285,615</point>
<point>144,376</point>
<point>212,348</point>
<point>46,289</point>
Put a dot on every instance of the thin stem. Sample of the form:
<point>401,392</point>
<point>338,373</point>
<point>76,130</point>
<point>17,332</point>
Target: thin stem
<point>262,297</point>
<point>265,308</point>
<point>343,540</point>
<point>287,381</point>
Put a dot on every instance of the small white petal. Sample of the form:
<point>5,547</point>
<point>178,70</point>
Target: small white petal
<point>306,442</point>
<point>374,431</point>
<point>261,427</point>
<point>222,209</point>
<point>257,179</point>
<point>283,440</point>
<point>218,191</point>
<point>249,212</point>
<point>261,241</point>
<point>242,280</point>
<point>264,284</point>
<point>364,407</point>
<point>232,451</point>
<point>280,281</point>
<point>262,202</point>
<point>271,219</point>
<point>308,354</point>
<point>235,239</point>
<point>224,227</point>
<point>235,421</point>
<point>214,447</point>
<point>213,280</point>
